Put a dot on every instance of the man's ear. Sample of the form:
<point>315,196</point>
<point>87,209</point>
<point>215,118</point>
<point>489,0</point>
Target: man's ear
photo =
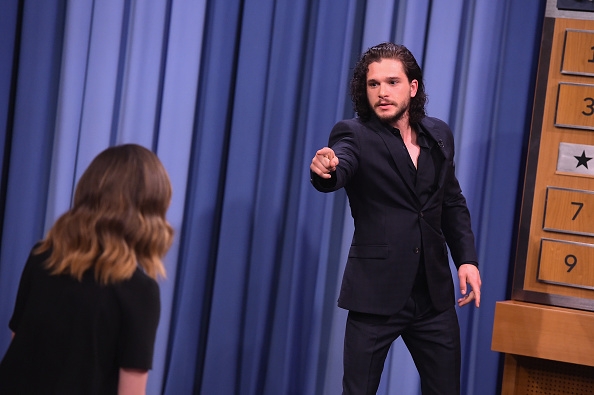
<point>414,87</point>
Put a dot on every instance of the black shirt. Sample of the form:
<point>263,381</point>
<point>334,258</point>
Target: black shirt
<point>424,176</point>
<point>72,337</point>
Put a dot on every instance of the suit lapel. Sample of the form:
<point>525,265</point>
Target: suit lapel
<point>429,126</point>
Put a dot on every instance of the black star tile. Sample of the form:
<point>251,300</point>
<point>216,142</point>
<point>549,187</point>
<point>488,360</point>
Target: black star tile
<point>582,160</point>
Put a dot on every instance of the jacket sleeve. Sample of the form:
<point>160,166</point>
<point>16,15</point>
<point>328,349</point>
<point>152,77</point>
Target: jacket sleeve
<point>455,218</point>
<point>344,141</point>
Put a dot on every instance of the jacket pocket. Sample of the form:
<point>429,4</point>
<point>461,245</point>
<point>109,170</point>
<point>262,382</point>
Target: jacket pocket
<point>369,251</point>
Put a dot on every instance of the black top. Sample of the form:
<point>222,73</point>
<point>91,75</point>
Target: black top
<point>72,337</point>
<point>424,176</point>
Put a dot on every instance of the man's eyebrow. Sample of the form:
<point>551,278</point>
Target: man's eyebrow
<point>389,78</point>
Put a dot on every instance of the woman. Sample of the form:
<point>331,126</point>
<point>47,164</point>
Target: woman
<point>88,305</point>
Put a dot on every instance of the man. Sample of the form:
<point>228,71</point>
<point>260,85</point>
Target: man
<point>397,167</point>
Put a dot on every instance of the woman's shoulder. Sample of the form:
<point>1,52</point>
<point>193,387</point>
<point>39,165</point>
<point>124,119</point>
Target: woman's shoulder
<point>37,258</point>
<point>138,287</point>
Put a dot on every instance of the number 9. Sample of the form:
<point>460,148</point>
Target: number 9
<point>571,261</point>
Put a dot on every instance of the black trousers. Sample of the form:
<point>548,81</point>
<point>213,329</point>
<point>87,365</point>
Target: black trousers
<point>432,338</point>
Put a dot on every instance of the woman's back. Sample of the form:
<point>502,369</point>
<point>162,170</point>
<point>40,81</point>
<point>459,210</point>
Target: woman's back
<point>72,337</point>
<point>87,307</point>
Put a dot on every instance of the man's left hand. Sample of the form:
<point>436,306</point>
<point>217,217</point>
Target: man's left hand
<point>468,274</point>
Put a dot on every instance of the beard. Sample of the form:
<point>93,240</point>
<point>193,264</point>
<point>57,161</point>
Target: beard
<point>391,119</point>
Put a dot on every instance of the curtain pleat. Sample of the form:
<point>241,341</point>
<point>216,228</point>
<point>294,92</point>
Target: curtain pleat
<point>235,97</point>
<point>175,121</point>
<point>197,265</point>
<point>28,158</point>
<point>10,20</point>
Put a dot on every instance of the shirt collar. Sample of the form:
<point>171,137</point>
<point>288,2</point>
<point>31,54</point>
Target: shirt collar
<point>422,137</point>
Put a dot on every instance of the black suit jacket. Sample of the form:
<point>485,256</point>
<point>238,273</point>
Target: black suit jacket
<point>393,229</point>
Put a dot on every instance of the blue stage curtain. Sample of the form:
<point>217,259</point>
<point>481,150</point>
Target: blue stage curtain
<point>32,64</point>
<point>235,97</point>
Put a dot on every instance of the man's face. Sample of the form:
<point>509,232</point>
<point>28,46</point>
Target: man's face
<point>389,91</point>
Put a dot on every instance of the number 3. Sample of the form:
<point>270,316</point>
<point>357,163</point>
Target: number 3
<point>589,106</point>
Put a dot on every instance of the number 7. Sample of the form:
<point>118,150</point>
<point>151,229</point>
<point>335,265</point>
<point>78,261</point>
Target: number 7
<point>580,206</point>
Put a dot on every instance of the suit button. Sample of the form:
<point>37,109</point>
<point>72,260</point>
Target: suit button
<point>421,214</point>
<point>416,250</point>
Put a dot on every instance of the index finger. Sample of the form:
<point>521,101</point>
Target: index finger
<point>326,152</point>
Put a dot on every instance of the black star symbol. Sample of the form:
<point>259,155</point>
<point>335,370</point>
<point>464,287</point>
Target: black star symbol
<point>582,160</point>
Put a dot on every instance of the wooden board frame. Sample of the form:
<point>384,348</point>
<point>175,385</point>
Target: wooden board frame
<point>541,172</point>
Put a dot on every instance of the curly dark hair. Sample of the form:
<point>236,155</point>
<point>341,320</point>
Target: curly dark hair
<point>387,50</point>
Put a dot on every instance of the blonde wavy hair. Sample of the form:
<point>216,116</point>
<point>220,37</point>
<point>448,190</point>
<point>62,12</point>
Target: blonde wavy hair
<point>117,220</point>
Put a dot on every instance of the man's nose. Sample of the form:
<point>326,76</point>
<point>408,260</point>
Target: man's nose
<point>382,90</point>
